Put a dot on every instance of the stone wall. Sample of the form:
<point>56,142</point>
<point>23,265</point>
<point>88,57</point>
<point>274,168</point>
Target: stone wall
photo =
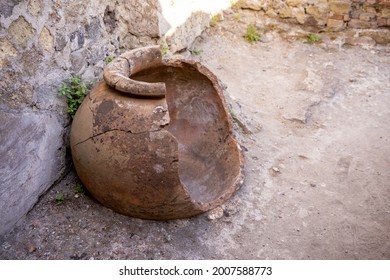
<point>43,43</point>
<point>367,17</point>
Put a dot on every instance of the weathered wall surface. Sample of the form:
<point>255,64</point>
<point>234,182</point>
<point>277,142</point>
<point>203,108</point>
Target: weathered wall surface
<point>366,17</point>
<point>43,43</point>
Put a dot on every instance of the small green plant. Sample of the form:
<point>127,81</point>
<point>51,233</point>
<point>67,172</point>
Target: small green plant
<point>108,59</point>
<point>313,38</point>
<point>164,47</point>
<point>74,90</point>
<point>252,34</point>
<point>214,20</point>
<point>60,198</point>
<point>237,16</point>
<point>79,188</point>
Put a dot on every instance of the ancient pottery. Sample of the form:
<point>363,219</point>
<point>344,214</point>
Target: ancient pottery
<point>154,139</point>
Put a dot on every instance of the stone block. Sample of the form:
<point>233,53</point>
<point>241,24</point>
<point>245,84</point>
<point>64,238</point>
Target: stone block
<point>140,18</point>
<point>46,40</point>
<point>312,21</point>
<point>371,10</point>
<point>335,24</point>
<point>78,60</point>
<point>31,60</point>
<point>299,14</point>
<point>255,5</point>
<point>60,41</point>
<point>6,51</point>
<point>340,7</point>
<point>317,11</point>
<point>359,24</point>
<point>21,31</point>
<point>380,36</point>
<point>367,16</point>
<point>32,156</point>
<point>184,34</point>
<point>361,41</point>
<point>295,3</point>
<point>286,12</point>
<point>382,22</point>
<point>356,14</point>
<point>7,6</point>
<point>336,17</point>
<point>385,13</point>
<point>271,13</point>
<point>35,7</point>
<point>93,29</point>
<point>77,39</point>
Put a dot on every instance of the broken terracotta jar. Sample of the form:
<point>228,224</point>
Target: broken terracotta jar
<point>154,139</point>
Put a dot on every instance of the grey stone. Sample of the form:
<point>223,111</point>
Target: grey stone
<point>48,98</point>
<point>78,60</point>
<point>93,30</point>
<point>186,33</point>
<point>109,19</point>
<point>96,55</point>
<point>7,6</point>
<point>60,41</point>
<point>77,39</point>
<point>32,156</point>
<point>31,62</point>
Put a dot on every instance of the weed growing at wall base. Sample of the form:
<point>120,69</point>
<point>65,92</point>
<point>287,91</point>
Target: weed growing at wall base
<point>60,198</point>
<point>79,188</point>
<point>252,33</point>
<point>313,38</point>
<point>75,90</point>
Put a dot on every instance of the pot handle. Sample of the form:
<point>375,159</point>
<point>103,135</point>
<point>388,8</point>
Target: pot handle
<point>118,72</point>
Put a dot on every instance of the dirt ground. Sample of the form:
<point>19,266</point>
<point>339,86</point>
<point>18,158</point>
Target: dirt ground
<point>314,120</point>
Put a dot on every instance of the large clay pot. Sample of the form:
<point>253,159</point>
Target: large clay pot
<point>154,139</point>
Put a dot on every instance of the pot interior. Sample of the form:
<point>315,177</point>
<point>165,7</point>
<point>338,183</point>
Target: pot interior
<point>209,160</point>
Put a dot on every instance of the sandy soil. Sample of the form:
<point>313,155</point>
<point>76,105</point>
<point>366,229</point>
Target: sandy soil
<point>315,124</point>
